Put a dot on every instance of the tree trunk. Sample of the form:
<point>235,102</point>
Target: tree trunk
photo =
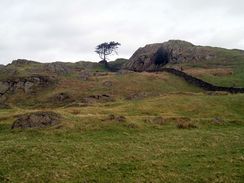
<point>104,56</point>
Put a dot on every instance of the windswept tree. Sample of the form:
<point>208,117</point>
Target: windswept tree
<point>105,49</point>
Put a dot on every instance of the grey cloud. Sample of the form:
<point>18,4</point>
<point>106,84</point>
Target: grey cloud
<point>50,30</point>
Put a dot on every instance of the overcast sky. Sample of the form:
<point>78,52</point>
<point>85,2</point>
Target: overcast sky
<point>69,30</point>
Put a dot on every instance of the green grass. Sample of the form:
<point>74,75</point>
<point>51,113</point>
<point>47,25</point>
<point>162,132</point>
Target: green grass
<point>236,79</point>
<point>88,149</point>
<point>226,59</point>
<point>123,86</point>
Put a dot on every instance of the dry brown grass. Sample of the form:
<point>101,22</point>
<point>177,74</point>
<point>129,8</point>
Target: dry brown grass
<point>185,125</point>
<point>4,118</point>
<point>213,72</point>
<point>156,120</point>
<point>75,112</point>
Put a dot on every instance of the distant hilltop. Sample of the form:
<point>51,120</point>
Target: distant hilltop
<point>149,58</point>
<point>154,56</point>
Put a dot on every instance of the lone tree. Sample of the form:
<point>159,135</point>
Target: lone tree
<point>105,49</point>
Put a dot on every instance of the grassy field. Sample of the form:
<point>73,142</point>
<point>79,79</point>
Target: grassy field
<point>129,85</point>
<point>89,147</point>
<point>228,71</point>
<point>173,131</point>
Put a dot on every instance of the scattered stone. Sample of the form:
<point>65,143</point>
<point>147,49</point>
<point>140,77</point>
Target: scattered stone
<point>218,120</point>
<point>108,84</point>
<point>36,120</point>
<point>113,117</point>
<point>185,125</point>
<point>132,126</point>
<point>156,120</point>
<point>62,97</point>
<point>98,98</point>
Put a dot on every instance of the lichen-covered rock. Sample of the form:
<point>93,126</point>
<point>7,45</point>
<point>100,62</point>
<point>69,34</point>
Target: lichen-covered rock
<point>154,56</point>
<point>36,120</point>
<point>4,87</point>
<point>59,68</point>
<point>26,84</point>
<point>21,62</point>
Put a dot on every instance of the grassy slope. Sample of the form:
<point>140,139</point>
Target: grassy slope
<point>123,86</point>
<point>227,60</point>
<point>87,149</point>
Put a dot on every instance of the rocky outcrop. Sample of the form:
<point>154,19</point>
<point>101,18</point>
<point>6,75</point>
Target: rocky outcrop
<point>154,56</point>
<point>21,62</point>
<point>59,68</point>
<point>36,120</point>
<point>25,84</point>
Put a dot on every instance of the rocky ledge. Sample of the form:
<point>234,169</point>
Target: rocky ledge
<point>154,56</point>
<point>24,84</point>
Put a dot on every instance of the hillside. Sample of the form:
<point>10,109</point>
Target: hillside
<point>93,122</point>
<point>219,66</point>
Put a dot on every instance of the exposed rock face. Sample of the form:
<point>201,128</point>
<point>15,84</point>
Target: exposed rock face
<point>36,120</point>
<point>57,68</point>
<point>20,62</point>
<point>153,56</point>
<point>26,84</point>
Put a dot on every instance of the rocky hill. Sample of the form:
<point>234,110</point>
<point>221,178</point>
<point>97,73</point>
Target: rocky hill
<point>154,56</point>
<point>95,122</point>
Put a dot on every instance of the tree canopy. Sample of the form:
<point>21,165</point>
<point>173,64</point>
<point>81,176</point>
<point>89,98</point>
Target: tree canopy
<point>107,48</point>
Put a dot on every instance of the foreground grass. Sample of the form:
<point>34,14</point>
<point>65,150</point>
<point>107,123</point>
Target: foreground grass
<point>87,148</point>
<point>212,154</point>
<point>220,71</point>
